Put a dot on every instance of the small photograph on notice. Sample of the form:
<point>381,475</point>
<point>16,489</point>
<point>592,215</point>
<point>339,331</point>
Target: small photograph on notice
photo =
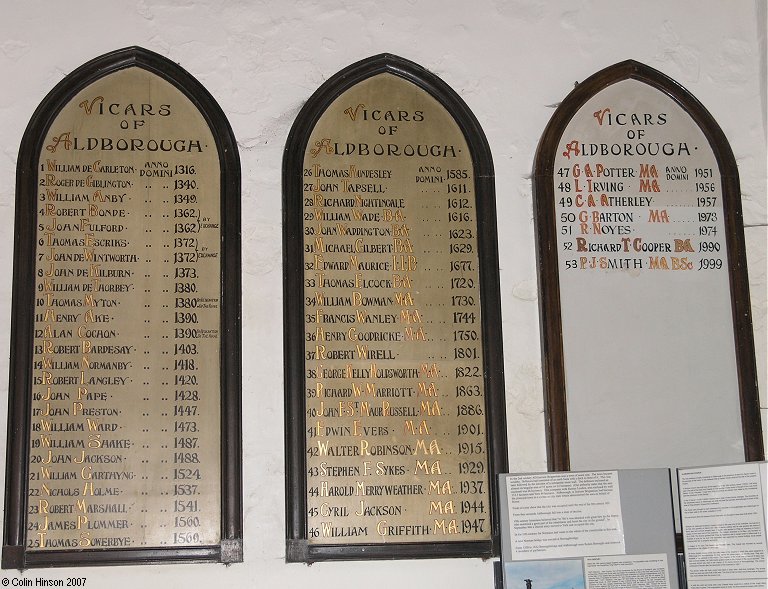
<point>544,574</point>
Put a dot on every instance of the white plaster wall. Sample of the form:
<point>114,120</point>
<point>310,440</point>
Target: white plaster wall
<point>511,60</point>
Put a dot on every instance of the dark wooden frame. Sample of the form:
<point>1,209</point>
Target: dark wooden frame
<point>297,547</point>
<point>549,282</point>
<point>15,554</point>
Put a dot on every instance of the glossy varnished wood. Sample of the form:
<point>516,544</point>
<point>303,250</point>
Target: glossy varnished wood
<point>14,553</point>
<point>547,258</point>
<point>297,547</point>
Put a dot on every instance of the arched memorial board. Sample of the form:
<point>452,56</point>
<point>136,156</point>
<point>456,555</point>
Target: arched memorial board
<point>647,339</point>
<point>394,386</point>
<point>124,421</point>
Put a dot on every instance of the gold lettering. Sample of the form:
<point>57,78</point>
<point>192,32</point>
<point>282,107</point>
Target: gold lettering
<point>440,488</point>
<point>410,428</point>
<point>441,508</point>
<point>434,447</point>
<point>451,529</point>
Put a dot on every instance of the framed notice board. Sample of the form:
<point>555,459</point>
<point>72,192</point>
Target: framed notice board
<point>647,338</point>
<point>124,420</point>
<point>394,386</point>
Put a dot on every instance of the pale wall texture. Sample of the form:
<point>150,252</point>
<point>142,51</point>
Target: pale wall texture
<point>512,61</point>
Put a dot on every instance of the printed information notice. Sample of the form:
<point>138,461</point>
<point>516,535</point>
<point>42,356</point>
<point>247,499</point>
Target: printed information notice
<point>724,521</point>
<point>640,571</point>
<point>562,515</point>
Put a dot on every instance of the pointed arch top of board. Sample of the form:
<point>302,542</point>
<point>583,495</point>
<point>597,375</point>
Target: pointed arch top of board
<point>408,70</point>
<point>153,62</point>
<point>297,548</point>
<point>549,282</point>
<point>230,548</point>
<point>634,70</point>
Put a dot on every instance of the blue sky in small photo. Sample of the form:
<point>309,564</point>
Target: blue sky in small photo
<point>544,574</point>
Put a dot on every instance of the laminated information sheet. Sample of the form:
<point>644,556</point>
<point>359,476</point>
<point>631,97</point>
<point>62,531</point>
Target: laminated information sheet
<point>724,525</point>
